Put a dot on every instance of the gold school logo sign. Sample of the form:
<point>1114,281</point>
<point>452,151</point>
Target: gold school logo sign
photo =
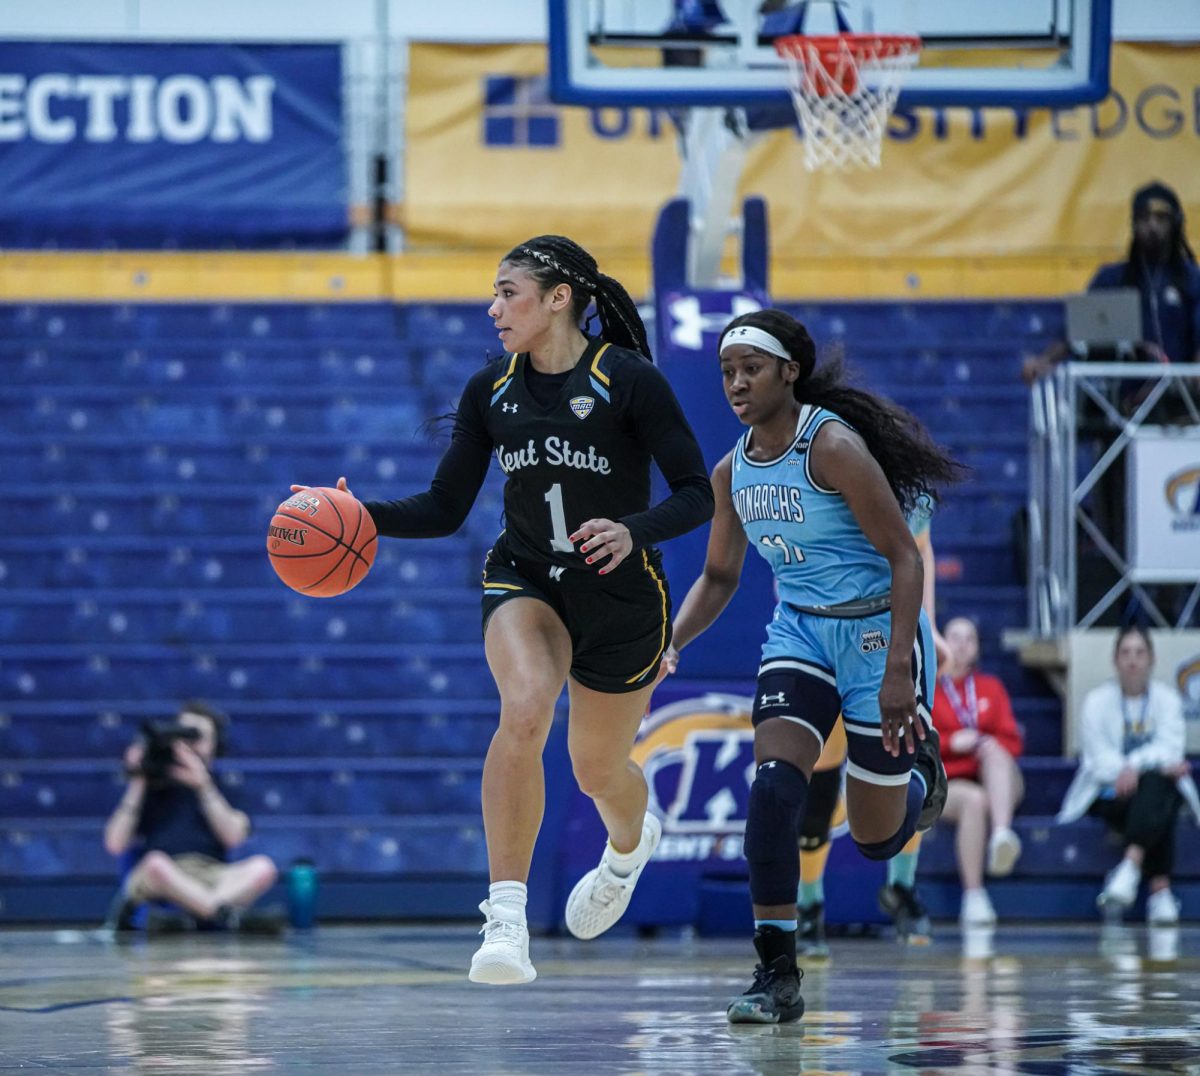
<point>1187,680</point>
<point>1182,494</point>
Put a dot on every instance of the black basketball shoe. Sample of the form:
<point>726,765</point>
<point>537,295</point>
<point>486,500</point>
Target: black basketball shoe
<point>774,996</point>
<point>929,762</point>
<point>907,912</point>
<point>810,935</point>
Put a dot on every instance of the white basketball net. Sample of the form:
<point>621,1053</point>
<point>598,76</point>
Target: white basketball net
<point>844,88</point>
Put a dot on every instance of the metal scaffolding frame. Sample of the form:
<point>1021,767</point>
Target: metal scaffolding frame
<point>1058,508</point>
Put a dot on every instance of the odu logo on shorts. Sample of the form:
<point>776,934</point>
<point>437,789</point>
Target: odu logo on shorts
<point>872,641</point>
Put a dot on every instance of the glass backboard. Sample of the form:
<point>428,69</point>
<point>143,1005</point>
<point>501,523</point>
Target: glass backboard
<point>712,53</point>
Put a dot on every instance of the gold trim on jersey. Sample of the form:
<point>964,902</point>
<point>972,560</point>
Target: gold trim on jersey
<point>661,590</point>
<point>600,374</point>
<point>507,373</point>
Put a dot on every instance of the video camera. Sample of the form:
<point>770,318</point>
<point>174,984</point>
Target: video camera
<point>159,754</point>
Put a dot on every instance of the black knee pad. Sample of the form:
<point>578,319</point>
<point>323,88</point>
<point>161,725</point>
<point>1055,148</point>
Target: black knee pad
<point>777,800</point>
<point>824,791</point>
<point>893,846</point>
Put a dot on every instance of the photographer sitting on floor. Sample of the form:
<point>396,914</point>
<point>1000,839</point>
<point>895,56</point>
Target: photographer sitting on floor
<point>174,815</point>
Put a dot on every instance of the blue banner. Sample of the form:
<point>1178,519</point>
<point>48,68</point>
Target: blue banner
<point>153,145</point>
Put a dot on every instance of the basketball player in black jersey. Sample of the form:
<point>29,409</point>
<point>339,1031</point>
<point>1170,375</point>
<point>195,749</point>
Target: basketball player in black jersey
<point>573,588</point>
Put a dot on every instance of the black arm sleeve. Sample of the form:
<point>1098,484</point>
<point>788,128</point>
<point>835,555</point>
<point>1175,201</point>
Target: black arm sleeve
<point>443,508</point>
<point>660,424</point>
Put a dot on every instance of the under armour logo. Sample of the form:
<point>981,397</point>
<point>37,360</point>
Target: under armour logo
<point>508,407</point>
<point>556,573</point>
<point>778,699</point>
<point>690,322</point>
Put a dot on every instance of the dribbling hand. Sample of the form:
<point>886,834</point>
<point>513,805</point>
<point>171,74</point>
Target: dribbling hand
<point>603,537</point>
<point>341,484</point>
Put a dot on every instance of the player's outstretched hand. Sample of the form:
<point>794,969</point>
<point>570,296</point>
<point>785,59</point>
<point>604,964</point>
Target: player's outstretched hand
<point>604,538</point>
<point>341,484</point>
<point>668,665</point>
<point>898,712</point>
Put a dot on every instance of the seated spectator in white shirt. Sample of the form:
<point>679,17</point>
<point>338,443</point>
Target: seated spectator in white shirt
<point>1134,776</point>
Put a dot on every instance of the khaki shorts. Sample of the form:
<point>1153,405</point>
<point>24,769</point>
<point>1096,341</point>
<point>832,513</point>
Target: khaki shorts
<point>200,868</point>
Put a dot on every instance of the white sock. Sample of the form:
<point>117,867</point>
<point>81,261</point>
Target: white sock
<point>623,864</point>
<point>512,896</point>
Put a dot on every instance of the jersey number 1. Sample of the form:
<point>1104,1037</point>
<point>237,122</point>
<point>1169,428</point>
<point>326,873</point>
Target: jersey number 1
<point>561,542</point>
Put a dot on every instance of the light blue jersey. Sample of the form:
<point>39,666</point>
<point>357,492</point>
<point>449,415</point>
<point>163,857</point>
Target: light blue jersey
<point>819,662</point>
<point>807,534</point>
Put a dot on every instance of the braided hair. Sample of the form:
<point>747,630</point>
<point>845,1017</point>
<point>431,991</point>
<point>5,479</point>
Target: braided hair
<point>555,259</point>
<point>912,463</point>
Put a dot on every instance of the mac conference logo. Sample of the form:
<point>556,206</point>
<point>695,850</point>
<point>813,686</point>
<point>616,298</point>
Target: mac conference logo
<point>1182,493</point>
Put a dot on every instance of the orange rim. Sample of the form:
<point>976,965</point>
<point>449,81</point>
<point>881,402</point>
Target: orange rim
<point>865,49</point>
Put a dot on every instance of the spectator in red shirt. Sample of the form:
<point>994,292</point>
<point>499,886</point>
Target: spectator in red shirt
<point>980,743</point>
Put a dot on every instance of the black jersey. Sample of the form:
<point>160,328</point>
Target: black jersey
<point>586,456</point>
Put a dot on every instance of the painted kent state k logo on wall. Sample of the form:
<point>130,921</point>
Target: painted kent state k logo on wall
<point>1182,493</point>
<point>698,757</point>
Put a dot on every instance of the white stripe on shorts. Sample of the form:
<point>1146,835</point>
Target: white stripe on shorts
<point>799,666</point>
<point>798,721</point>
<point>862,730</point>
<point>888,779</point>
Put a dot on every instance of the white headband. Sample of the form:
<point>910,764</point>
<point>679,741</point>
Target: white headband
<point>764,341</point>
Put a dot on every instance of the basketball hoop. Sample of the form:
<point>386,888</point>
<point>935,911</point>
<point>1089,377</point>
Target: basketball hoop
<point>844,87</point>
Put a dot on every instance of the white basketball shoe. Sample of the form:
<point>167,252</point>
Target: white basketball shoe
<point>601,896</point>
<point>1120,887</point>
<point>503,958</point>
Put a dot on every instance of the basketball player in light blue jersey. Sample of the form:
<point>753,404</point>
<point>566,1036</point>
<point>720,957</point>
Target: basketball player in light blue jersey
<point>820,484</point>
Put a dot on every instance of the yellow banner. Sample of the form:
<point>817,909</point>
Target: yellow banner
<point>490,161</point>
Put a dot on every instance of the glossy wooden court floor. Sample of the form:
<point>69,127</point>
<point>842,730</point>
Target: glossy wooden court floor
<point>1077,1000</point>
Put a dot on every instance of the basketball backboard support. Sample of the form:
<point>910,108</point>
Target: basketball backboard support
<point>719,53</point>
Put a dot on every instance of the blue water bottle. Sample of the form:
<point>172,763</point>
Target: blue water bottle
<point>302,894</point>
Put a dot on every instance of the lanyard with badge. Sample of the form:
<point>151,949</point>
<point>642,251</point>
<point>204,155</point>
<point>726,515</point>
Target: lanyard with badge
<point>965,709</point>
<point>1137,727</point>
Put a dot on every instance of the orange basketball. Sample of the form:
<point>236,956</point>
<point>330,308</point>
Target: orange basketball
<point>321,542</point>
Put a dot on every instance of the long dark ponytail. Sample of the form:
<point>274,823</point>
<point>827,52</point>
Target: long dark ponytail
<point>911,461</point>
<point>555,259</point>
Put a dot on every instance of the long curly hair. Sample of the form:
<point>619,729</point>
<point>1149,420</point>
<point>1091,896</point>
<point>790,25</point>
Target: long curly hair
<point>555,259</point>
<point>912,462</point>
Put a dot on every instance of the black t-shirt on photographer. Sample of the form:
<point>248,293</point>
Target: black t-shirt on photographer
<point>173,822</point>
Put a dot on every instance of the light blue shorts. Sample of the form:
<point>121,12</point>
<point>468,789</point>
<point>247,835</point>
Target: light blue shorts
<point>816,667</point>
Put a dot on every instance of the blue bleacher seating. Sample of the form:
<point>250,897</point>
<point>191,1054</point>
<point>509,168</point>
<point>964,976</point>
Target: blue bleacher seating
<point>146,446</point>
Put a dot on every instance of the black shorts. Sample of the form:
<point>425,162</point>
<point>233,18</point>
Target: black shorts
<point>619,624</point>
